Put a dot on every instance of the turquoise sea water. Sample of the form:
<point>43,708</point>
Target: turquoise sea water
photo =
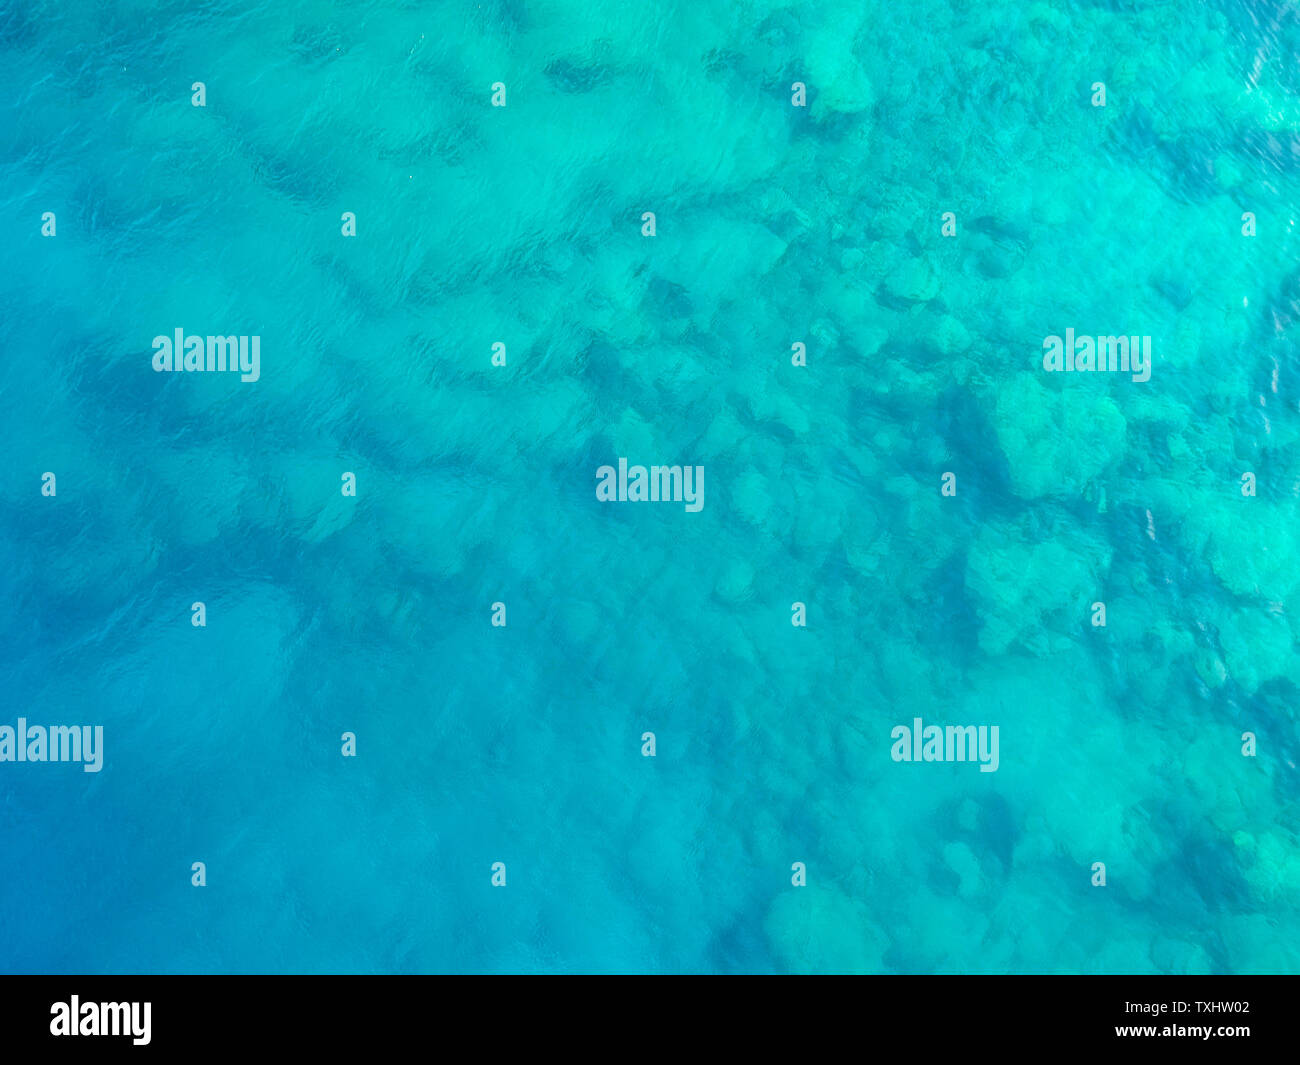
<point>775,225</point>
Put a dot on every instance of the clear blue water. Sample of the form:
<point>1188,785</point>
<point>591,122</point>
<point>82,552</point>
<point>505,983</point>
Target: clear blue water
<point>774,225</point>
